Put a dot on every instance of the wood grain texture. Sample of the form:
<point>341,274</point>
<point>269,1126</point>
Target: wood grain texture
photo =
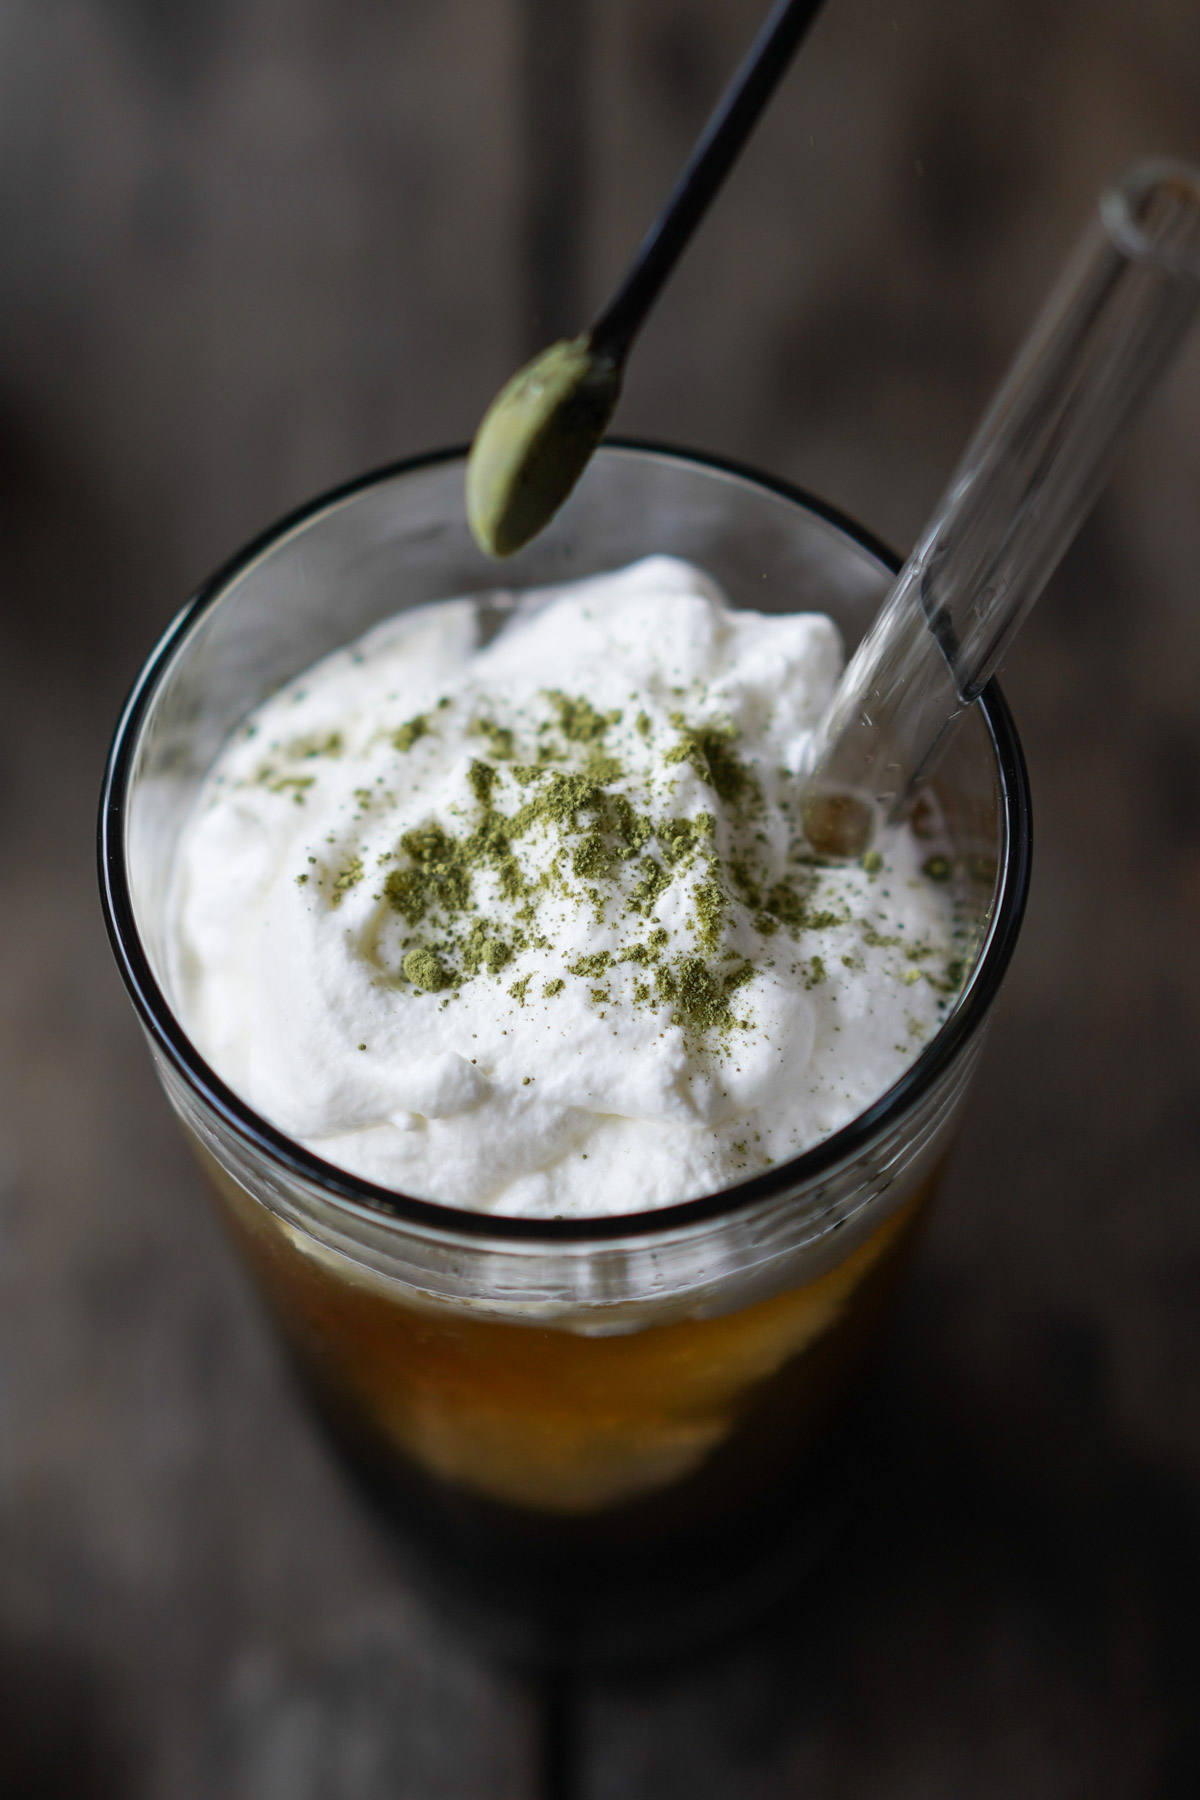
<point>249,248</point>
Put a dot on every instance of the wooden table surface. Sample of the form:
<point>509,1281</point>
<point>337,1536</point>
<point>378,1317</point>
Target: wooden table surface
<point>250,248</point>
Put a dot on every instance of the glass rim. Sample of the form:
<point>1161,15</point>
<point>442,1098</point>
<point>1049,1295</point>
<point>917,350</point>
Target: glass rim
<point>434,1217</point>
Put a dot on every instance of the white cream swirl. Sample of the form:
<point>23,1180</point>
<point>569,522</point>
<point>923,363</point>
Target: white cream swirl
<point>531,927</point>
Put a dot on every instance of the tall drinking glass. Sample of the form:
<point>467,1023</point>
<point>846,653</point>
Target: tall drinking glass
<point>586,1423</point>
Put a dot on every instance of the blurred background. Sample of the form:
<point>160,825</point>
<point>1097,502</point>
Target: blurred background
<point>249,248</point>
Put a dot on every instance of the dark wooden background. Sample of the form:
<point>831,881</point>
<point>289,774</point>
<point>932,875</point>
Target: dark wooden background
<point>250,247</point>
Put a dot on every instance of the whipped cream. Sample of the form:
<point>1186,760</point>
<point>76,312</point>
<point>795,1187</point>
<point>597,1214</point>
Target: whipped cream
<point>530,926</point>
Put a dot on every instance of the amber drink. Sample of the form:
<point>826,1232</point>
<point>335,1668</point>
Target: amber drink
<point>570,1417</point>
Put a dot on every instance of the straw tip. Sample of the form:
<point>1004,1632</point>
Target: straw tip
<point>838,825</point>
<point>1152,215</point>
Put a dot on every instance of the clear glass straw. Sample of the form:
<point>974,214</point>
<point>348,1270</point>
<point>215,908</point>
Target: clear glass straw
<point>1028,479</point>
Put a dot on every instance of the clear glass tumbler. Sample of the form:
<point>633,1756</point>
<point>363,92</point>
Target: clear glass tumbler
<point>581,1425</point>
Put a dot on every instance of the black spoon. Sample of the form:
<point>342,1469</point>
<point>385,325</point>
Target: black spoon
<point>536,438</point>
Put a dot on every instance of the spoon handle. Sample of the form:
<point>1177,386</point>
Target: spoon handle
<point>1028,479</point>
<point>737,112</point>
